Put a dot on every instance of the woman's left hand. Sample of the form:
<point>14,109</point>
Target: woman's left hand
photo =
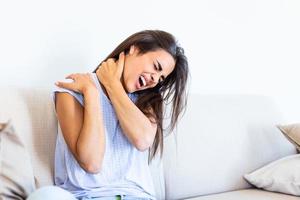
<point>110,71</point>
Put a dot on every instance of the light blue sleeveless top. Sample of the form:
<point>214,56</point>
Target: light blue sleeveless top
<point>125,169</point>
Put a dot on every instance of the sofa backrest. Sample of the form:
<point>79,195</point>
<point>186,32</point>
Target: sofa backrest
<point>219,139</point>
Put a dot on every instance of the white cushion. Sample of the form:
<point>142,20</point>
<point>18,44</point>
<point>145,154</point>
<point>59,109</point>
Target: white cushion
<point>282,175</point>
<point>16,172</point>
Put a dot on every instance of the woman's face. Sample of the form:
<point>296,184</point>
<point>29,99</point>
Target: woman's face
<point>146,71</point>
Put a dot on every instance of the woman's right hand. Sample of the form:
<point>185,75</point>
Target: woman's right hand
<point>82,83</point>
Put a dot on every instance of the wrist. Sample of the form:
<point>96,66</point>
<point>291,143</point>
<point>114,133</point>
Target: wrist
<point>114,86</point>
<point>91,90</point>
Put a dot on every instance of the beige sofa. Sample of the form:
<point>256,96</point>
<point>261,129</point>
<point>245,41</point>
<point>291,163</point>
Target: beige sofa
<point>220,138</point>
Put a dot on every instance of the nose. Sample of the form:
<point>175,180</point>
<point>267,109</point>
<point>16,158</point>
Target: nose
<point>155,78</point>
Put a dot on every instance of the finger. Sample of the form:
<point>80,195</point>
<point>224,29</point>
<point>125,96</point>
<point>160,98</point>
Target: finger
<point>100,68</point>
<point>121,59</point>
<point>70,76</point>
<point>103,63</point>
<point>111,60</point>
<point>67,83</point>
<point>64,85</point>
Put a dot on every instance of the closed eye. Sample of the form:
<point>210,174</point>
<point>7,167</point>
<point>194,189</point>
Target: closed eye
<point>159,68</point>
<point>155,66</point>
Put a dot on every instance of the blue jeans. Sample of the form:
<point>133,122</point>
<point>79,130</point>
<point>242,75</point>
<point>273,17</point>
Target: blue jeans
<point>57,193</point>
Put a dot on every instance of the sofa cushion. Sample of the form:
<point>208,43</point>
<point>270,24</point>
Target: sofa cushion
<point>248,194</point>
<point>292,133</point>
<point>219,139</point>
<point>16,172</point>
<point>279,176</point>
<point>33,116</point>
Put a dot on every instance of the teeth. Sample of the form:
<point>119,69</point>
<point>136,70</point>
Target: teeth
<point>143,81</point>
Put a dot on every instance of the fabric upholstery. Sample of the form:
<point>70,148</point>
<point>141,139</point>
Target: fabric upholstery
<point>292,133</point>
<point>32,113</point>
<point>219,139</point>
<point>248,194</point>
<point>16,172</point>
<point>279,176</point>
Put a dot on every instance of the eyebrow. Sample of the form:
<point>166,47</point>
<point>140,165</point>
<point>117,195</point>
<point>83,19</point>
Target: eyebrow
<point>160,69</point>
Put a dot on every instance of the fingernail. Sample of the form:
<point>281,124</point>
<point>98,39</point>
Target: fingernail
<point>56,83</point>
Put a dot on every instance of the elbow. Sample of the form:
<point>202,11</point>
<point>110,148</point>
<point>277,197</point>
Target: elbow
<point>143,144</point>
<point>145,141</point>
<point>92,168</point>
<point>90,162</point>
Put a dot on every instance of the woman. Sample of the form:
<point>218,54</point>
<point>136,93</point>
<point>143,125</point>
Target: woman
<point>110,118</point>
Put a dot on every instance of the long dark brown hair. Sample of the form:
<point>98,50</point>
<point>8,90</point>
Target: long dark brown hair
<point>172,90</point>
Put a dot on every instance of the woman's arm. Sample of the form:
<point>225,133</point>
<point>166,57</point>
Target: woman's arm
<point>82,127</point>
<point>135,124</point>
<point>139,130</point>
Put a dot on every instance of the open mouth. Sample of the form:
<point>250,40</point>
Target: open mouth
<point>142,81</point>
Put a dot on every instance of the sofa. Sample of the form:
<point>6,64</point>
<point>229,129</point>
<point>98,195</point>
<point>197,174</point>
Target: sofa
<point>218,140</point>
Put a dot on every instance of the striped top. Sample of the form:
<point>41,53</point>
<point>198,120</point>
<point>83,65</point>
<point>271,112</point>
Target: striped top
<point>125,169</point>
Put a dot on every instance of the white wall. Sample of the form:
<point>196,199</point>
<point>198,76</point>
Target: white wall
<point>233,46</point>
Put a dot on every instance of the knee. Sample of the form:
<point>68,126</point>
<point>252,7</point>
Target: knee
<point>50,193</point>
